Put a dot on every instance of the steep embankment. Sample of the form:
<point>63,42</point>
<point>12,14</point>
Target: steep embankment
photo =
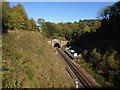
<point>30,62</point>
<point>100,57</point>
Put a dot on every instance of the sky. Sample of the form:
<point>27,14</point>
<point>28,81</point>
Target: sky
<point>63,11</point>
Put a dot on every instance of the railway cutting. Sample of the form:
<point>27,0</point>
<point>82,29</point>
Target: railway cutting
<point>80,77</point>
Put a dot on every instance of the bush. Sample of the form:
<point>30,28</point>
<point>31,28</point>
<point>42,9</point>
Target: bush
<point>4,31</point>
<point>94,57</point>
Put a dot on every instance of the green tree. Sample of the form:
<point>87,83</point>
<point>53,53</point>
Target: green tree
<point>104,13</point>
<point>19,17</point>
<point>110,20</point>
<point>16,18</point>
<point>48,29</point>
<point>40,21</point>
<point>32,25</point>
<point>5,16</point>
<point>13,17</point>
<point>22,15</point>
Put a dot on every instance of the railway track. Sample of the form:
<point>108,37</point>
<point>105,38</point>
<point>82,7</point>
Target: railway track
<point>78,75</point>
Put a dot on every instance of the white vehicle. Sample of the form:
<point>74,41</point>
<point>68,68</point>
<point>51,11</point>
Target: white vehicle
<point>72,51</point>
<point>69,50</point>
<point>75,55</point>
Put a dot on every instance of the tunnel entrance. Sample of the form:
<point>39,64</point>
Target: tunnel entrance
<point>57,45</point>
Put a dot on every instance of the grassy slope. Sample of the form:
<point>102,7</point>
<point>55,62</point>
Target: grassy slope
<point>29,61</point>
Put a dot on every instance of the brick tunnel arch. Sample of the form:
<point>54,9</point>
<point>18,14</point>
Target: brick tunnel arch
<point>57,45</point>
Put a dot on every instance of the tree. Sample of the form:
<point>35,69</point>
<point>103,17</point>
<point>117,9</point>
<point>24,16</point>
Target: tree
<point>22,16</point>
<point>13,17</point>
<point>19,17</point>
<point>16,18</point>
<point>32,25</point>
<point>104,13</point>
<point>48,29</point>
<point>40,21</point>
<point>5,16</point>
<point>110,17</point>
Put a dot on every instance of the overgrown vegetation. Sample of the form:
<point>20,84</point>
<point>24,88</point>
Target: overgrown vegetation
<point>99,39</point>
<point>88,68</point>
<point>69,31</point>
<point>102,47</point>
<point>104,67</point>
<point>30,62</point>
<point>16,18</point>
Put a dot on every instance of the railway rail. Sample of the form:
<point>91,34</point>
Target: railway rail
<point>80,77</point>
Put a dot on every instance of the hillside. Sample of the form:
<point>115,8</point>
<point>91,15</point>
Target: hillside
<point>30,62</point>
<point>100,57</point>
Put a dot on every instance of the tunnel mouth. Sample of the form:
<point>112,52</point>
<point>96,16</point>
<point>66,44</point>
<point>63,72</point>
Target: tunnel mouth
<point>57,45</point>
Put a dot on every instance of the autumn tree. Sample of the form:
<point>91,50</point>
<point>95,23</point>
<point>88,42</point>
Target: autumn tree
<point>15,18</point>
<point>32,25</point>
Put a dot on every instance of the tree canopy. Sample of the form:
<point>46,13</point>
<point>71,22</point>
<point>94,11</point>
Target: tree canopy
<point>40,21</point>
<point>15,17</point>
<point>70,30</point>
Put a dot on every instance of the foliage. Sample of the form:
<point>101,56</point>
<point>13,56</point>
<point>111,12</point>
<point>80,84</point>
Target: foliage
<point>31,25</point>
<point>28,61</point>
<point>103,51</point>
<point>100,38</point>
<point>40,21</point>
<point>16,18</point>
<point>69,30</point>
<point>110,16</point>
<point>5,16</point>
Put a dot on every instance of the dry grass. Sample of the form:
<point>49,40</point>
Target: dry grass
<point>30,62</point>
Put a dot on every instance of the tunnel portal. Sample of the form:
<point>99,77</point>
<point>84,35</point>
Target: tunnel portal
<point>57,45</point>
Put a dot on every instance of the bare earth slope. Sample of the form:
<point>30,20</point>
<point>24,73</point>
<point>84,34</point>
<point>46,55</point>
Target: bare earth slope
<point>30,62</point>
